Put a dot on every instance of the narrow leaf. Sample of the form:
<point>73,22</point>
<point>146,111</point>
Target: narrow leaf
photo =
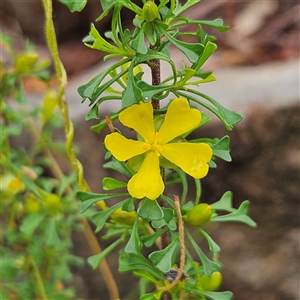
<point>89,199</point>
<point>100,218</point>
<point>96,259</point>
<point>134,261</point>
<point>213,246</point>
<point>208,265</point>
<point>52,239</point>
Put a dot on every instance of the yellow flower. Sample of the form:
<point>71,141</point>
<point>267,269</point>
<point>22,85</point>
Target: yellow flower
<point>192,158</point>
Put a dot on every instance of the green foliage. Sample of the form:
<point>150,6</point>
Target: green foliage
<point>38,211</point>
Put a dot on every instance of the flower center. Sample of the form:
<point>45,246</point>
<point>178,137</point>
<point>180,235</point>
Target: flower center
<point>153,144</point>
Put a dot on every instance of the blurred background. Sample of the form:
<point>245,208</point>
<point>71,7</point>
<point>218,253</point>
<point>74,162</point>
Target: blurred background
<point>257,70</point>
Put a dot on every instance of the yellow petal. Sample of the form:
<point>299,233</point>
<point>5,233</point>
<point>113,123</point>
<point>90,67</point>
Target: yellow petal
<point>179,119</point>
<point>140,118</point>
<point>147,182</point>
<point>191,158</point>
<point>122,148</point>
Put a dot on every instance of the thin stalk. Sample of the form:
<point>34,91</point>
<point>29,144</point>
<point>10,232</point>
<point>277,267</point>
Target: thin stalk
<point>38,280</point>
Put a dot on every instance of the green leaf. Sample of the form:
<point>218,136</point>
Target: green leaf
<point>150,210</point>
<point>149,240</point>
<point>65,182</point>
<point>74,5</point>
<point>209,49</point>
<point>129,205</point>
<point>145,275</point>
<point>89,89</point>
<point>89,199</point>
<point>152,54</point>
<point>110,183</point>
<point>151,90</point>
<point>132,94</point>
<point>136,261</point>
<point>191,50</point>
<point>239,215</point>
<point>180,9</point>
<point>217,24</point>
<point>100,217</point>
<point>52,238</point>
<point>225,203</point>
<point>213,295</point>
<point>164,259</point>
<point>134,244</point>
<point>228,117</point>
<point>156,295</point>
<point>107,5</point>
<point>138,43</point>
<point>96,259</point>
<point>208,265</point>
<point>93,113</point>
<point>213,246</point>
<point>169,220</point>
<point>150,33</point>
<point>221,148</point>
<point>30,223</point>
<point>119,167</point>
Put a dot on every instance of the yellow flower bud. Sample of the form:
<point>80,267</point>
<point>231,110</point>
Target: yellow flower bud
<point>53,204</point>
<point>150,11</point>
<point>212,282</point>
<point>198,215</point>
<point>124,217</point>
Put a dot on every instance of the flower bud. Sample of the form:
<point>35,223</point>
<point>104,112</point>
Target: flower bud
<point>124,217</point>
<point>25,62</point>
<point>53,204</point>
<point>212,282</point>
<point>150,11</point>
<point>198,215</point>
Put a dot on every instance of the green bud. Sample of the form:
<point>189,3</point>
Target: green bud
<point>150,11</point>
<point>210,283</point>
<point>53,204</point>
<point>199,215</point>
<point>125,217</point>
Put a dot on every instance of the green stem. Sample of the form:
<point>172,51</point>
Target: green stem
<point>38,280</point>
